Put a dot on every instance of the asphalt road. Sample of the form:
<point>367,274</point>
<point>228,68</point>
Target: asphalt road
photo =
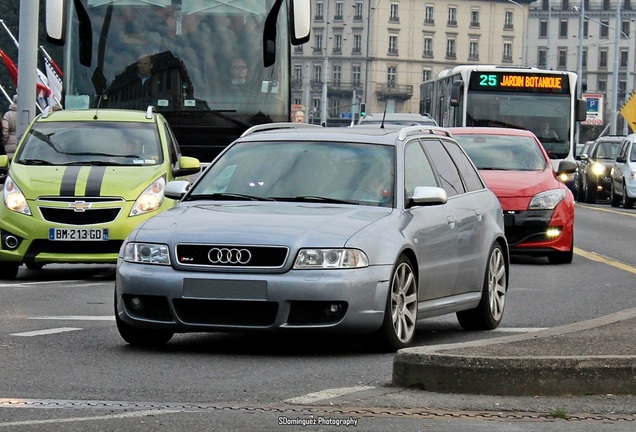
<point>65,368</point>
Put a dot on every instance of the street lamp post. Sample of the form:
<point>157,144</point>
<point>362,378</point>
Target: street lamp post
<point>613,113</point>
<point>523,32</point>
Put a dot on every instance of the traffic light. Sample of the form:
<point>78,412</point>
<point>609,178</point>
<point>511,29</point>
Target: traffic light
<point>363,109</point>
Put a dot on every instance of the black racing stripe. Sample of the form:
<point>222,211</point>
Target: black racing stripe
<point>95,179</point>
<point>69,179</point>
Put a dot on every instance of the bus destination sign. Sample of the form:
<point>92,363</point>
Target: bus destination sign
<point>519,82</point>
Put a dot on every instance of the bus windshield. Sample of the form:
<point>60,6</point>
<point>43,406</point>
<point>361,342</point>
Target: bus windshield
<point>548,117</point>
<point>199,62</point>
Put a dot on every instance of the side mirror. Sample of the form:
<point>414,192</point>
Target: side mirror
<point>176,189</point>
<point>428,195</point>
<point>567,167</point>
<point>187,165</point>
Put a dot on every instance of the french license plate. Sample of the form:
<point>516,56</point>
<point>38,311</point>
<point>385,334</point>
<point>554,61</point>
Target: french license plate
<point>78,234</point>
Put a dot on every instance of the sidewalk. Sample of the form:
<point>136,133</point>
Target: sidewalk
<point>591,357</point>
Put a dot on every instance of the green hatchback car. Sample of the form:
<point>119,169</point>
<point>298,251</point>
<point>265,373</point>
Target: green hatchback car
<point>80,181</point>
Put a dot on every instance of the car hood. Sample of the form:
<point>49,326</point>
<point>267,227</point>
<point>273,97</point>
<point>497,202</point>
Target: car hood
<point>90,180</point>
<point>518,184</point>
<point>316,225</point>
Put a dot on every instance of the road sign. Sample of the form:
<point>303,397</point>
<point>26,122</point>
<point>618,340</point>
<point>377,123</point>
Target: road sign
<point>345,115</point>
<point>594,104</point>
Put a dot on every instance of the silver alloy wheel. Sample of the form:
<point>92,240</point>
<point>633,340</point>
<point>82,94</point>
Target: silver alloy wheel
<point>403,302</point>
<point>497,283</point>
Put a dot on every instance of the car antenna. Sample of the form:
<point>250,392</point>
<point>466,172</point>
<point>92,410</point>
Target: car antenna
<point>384,115</point>
<point>99,83</point>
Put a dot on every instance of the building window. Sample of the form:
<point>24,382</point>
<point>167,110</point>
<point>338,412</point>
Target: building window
<point>298,73</point>
<point>563,57</point>
<point>474,17</point>
<point>298,49</point>
<point>542,60</point>
<point>586,28</point>
<point>428,15</point>
<point>391,76</point>
<point>318,43</point>
<point>336,75</point>
<point>563,29</point>
<point>451,48</point>
<point>584,58</point>
<point>428,46</point>
<point>508,22</point>
<point>606,4</point>
<point>625,29</point>
<point>355,75</point>
<point>317,74</point>
<point>319,11</point>
<point>543,29</point>
<point>337,43</point>
<point>296,101</point>
<point>452,16</point>
<point>337,16</point>
<point>394,13</point>
<point>602,84</point>
<point>622,88</point>
<point>604,30</point>
<point>565,4</point>
<point>315,105</point>
<point>602,59</point>
<point>357,14</point>
<point>357,43</point>
<point>473,50</point>
<point>507,52</point>
<point>334,107</point>
<point>393,45</point>
<point>624,58</point>
<point>427,74</point>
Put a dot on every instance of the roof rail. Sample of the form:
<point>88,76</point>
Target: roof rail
<point>151,109</point>
<point>404,132</point>
<point>281,125</point>
<point>47,110</point>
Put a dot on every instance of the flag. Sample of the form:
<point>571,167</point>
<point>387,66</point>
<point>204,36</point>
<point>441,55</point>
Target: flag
<point>54,78</point>
<point>11,67</point>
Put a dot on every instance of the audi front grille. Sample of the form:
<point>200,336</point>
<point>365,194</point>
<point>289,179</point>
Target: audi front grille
<point>241,256</point>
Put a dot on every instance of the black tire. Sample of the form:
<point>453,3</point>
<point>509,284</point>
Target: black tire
<point>627,201</point>
<point>34,266</point>
<point>489,312</point>
<point>615,200</point>
<point>400,315</point>
<point>8,270</point>
<point>589,195</point>
<point>141,337</point>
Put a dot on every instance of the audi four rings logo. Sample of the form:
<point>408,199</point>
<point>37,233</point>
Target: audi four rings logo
<point>229,256</point>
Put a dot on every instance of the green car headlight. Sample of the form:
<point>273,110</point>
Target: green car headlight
<point>146,253</point>
<point>14,199</point>
<point>330,259</point>
<point>150,199</point>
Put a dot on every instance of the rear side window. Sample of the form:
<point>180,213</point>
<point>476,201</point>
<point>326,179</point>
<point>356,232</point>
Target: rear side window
<point>448,174</point>
<point>466,169</point>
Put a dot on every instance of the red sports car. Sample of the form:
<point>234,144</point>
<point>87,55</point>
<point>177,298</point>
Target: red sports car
<point>538,208</point>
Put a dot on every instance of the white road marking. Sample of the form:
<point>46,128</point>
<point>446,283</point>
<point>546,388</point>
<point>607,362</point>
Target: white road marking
<point>325,394</point>
<point>520,329</point>
<point>133,414</point>
<point>47,331</point>
<point>76,318</point>
<point>55,282</point>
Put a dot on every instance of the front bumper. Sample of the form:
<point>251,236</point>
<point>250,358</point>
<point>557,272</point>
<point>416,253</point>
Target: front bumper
<point>153,296</point>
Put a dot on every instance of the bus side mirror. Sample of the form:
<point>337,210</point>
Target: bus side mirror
<point>581,110</point>
<point>456,93</point>
<point>300,19</point>
<point>56,21</point>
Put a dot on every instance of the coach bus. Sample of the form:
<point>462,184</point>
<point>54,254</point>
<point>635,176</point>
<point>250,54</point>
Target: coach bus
<point>543,101</point>
<point>184,57</point>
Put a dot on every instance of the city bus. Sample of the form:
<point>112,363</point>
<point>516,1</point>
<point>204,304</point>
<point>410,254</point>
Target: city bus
<point>179,56</point>
<point>514,97</point>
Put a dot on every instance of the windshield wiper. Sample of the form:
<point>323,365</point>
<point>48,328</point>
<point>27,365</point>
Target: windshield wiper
<point>224,196</point>
<point>34,162</point>
<point>93,162</point>
<point>315,198</point>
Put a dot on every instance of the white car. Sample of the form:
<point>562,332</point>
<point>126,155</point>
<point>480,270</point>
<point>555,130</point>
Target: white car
<point>623,175</point>
<point>301,228</point>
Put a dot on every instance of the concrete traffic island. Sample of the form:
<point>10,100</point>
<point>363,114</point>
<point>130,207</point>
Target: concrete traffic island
<point>595,357</point>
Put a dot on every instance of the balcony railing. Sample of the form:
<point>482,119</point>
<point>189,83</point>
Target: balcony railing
<point>394,91</point>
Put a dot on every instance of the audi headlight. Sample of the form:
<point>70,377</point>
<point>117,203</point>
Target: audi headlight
<point>547,200</point>
<point>598,169</point>
<point>150,199</point>
<point>330,259</point>
<point>147,253</point>
<point>14,199</point>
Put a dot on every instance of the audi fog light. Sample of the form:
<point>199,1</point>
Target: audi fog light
<point>14,199</point>
<point>147,253</point>
<point>330,259</point>
<point>150,199</point>
<point>547,200</point>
